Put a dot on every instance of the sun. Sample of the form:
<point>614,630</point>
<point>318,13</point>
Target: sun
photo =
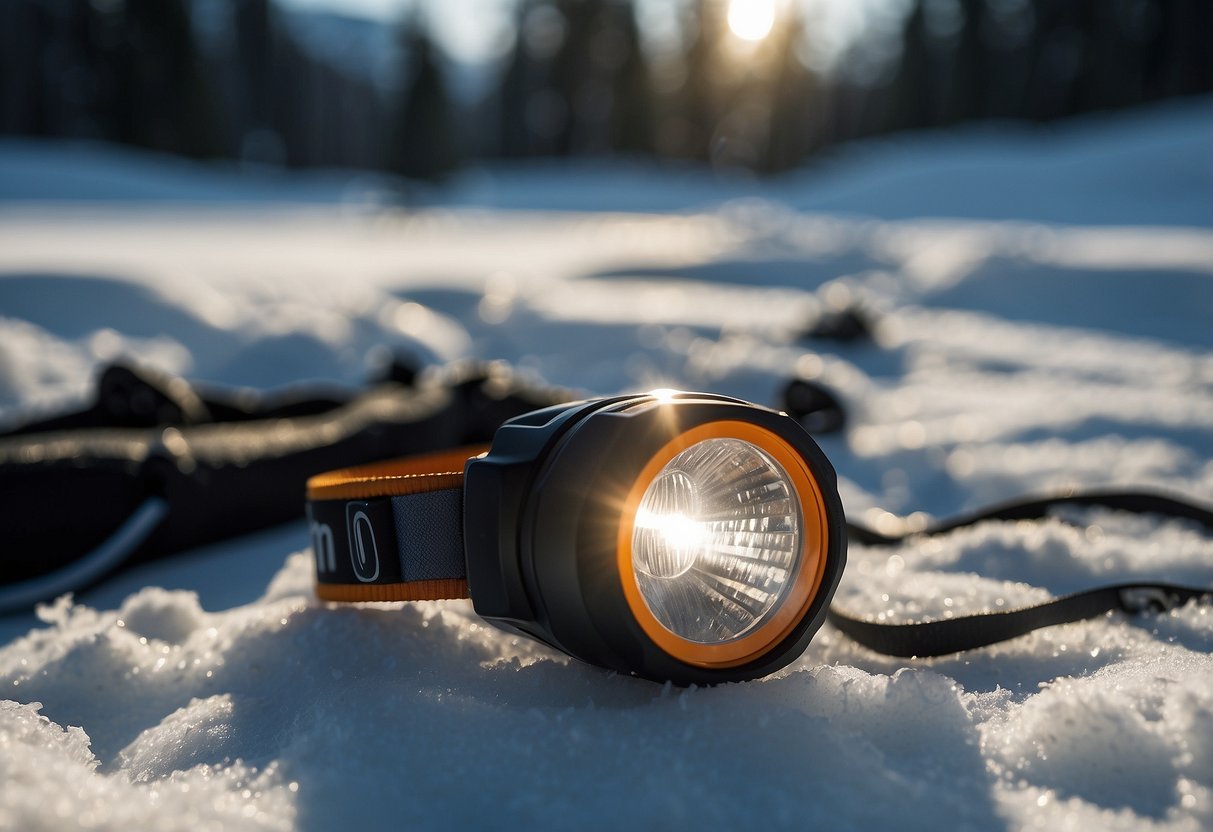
<point>751,19</point>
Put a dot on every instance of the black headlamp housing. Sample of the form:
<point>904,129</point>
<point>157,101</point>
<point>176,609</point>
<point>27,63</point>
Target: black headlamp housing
<point>542,516</point>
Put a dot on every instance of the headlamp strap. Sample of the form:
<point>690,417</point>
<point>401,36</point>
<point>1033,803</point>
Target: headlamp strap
<point>391,531</point>
<point>952,635</point>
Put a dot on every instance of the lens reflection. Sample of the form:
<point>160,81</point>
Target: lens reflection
<point>716,540</point>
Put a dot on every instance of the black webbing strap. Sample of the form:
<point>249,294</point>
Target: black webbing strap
<point>952,635</point>
<point>385,541</point>
<point>1136,502</point>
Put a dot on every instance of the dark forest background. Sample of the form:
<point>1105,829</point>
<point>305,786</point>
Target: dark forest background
<point>236,79</point>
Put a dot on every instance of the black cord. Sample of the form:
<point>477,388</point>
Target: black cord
<point>952,635</point>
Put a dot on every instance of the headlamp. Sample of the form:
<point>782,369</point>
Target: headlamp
<point>679,536</point>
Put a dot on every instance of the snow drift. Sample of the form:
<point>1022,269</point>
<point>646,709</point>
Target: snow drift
<point>1012,353</point>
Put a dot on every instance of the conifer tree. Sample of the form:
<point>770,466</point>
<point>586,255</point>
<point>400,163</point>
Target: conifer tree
<point>422,144</point>
<point>632,103</point>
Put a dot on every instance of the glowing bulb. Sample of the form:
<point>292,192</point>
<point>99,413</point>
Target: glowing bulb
<point>672,543</point>
<point>716,541</point>
<point>751,19</point>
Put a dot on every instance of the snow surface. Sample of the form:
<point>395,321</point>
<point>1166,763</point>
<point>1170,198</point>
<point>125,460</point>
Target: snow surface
<point>1054,332</point>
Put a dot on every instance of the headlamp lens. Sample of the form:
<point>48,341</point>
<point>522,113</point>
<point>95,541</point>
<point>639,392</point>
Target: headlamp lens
<point>716,540</point>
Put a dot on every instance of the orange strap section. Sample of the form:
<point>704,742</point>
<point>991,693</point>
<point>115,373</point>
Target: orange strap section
<point>395,477</point>
<point>404,591</point>
<point>406,475</point>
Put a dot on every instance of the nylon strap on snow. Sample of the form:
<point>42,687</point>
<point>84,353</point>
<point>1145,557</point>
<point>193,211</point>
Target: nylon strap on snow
<point>391,531</point>
<point>952,635</point>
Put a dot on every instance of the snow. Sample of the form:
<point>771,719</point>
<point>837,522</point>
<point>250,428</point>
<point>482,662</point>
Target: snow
<point>1054,332</point>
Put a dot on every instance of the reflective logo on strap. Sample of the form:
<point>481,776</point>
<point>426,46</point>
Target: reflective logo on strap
<point>364,551</point>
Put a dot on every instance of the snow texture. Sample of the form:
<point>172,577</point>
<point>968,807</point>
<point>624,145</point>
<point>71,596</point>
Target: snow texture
<point>1043,304</point>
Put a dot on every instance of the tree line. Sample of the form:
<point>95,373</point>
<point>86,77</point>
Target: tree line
<point>579,80</point>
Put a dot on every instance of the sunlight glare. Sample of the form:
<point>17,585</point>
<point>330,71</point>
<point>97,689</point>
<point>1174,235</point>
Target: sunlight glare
<point>751,19</point>
<point>678,539</point>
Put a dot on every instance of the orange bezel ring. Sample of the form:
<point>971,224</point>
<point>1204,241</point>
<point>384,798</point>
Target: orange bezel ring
<point>809,573</point>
